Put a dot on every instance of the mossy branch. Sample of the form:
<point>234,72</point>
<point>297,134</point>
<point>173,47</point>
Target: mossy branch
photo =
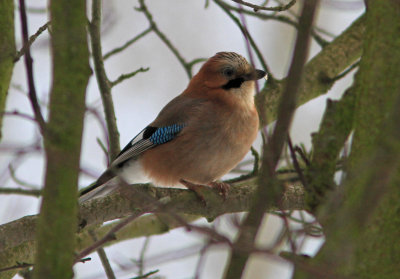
<point>62,139</point>
<point>319,73</point>
<point>7,48</point>
<point>335,128</point>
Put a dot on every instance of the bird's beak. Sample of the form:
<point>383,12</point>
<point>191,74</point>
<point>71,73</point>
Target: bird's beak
<point>255,75</point>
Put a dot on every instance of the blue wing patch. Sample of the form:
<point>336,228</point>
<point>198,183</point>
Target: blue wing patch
<point>165,134</point>
<point>146,139</point>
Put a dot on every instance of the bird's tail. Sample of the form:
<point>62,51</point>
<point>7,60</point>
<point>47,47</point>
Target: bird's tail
<point>101,187</point>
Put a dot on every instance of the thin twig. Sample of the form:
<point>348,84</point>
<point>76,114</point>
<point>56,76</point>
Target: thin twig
<point>102,146</point>
<point>29,69</point>
<point>103,81</point>
<point>257,7</point>
<point>146,275</point>
<point>20,114</point>
<point>140,262</point>
<point>347,71</point>
<point>248,45</point>
<point>123,77</point>
<point>25,265</point>
<point>248,36</point>
<point>296,162</point>
<point>17,266</point>
<point>201,260</point>
<point>109,236</point>
<point>302,153</point>
<point>31,40</point>
<point>19,181</point>
<point>103,125</point>
<point>281,18</point>
<point>103,257</point>
<point>20,191</point>
<point>253,173</point>
<point>127,44</point>
<point>187,66</point>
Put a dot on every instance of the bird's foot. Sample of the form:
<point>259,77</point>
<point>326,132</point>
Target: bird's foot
<point>221,187</point>
<point>196,188</point>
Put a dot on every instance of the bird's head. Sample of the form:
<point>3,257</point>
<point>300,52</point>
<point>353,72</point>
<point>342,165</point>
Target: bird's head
<point>230,72</point>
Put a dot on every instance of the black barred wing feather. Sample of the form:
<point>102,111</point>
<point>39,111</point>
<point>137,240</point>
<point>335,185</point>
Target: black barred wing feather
<point>146,139</point>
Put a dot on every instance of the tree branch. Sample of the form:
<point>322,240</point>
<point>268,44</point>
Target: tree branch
<point>31,40</point>
<point>103,81</point>
<point>119,205</point>
<point>278,17</point>
<point>127,44</point>
<point>103,257</point>
<point>186,65</point>
<point>319,73</point>
<point>29,69</point>
<point>20,191</point>
<point>123,77</point>
<point>62,140</point>
<point>7,51</point>
<point>335,127</point>
<point>269,191</point>
<point>257,7</point>
<point>247,35</point>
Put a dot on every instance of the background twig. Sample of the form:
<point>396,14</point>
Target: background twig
<point>29,68</point>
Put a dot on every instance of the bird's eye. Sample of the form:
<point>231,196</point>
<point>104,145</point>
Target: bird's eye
<point>228,72</point>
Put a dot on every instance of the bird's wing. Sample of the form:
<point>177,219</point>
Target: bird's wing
<point>169,123</point>
<point>146,139</point>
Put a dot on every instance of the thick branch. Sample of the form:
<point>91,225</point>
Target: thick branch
<point>319,73</point>
<point>63,135</point>
<point>7,48</point>
<point>335,128</point>
<point>119,205</point>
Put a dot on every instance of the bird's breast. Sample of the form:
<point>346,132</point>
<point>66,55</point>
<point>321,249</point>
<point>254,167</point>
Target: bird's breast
<point>213,142</point>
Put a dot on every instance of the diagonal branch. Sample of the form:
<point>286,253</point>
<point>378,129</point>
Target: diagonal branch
<point>123,77</point>
<point>127,44</point>
<point>103,257</point>
<point>186,65</point>
<point>31,40</point>
<point>320,71</point>
<point>247,35</point>
<point>269,190</point>
<point>103,81</point>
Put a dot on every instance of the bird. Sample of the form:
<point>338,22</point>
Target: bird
<point>198,137</point>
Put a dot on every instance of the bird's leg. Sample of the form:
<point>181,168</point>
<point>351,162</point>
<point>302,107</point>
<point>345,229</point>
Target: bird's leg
<point>221,187</point>
<point>196,188</point>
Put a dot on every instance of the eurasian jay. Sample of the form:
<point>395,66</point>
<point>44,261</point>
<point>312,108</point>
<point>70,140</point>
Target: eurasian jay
<point>197,137</point>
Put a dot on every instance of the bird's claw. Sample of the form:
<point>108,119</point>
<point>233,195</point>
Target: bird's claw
<point>221,187</point>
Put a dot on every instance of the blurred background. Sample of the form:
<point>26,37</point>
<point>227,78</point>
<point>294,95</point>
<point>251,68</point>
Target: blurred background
<point>197,32</point>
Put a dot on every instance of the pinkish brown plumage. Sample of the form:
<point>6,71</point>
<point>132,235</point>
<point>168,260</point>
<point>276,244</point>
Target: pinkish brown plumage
<point>201,134</point>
